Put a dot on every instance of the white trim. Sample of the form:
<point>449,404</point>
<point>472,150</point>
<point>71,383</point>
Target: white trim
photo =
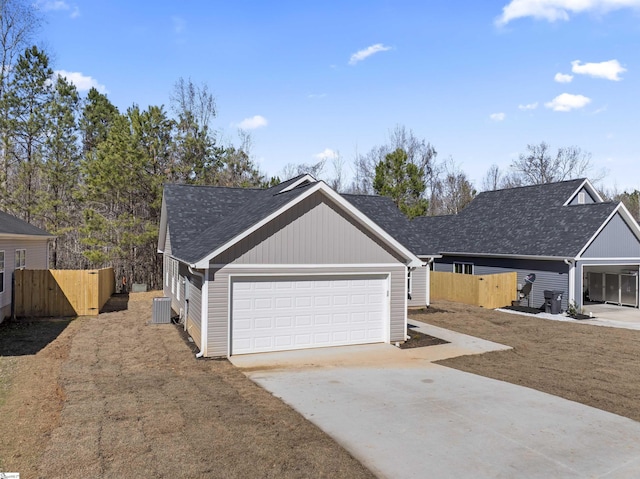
<point>204,320</point>
<point>624,215</point>
<point>406,307</point>
<point>384,274</point>
<point>26,236</point>
<point>463,264</point>
<point>306,178</point>
<point>162,230</point>
<point>348,207</point>
<point>571,297</point>
<point>589,187</point>
<point>635,260</point>
<point>510,256</point>
<point>302,266</point>
<point>409,280</point>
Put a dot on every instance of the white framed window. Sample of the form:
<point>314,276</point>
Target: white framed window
<point>1,271</point>
<point>21,258</point>
<point>463,268</point>
<point>174,276</point>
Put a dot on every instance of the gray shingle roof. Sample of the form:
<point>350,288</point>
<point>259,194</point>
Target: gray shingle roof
<point>203,218</point>
<point>526,221</point>
<point>384,212</point>
<point>11,225</point>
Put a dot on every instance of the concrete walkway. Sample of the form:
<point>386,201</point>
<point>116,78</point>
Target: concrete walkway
<point>607,315</point>
<point>404,417</point>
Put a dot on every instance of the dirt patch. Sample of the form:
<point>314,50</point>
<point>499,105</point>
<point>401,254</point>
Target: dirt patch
<point>420,340</point>
<point>136,403</point>
<point>593,365</point>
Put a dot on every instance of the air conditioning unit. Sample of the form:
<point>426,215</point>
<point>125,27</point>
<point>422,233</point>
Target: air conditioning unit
<point>161,311</point>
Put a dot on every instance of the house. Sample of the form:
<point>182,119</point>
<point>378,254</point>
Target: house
<point>563,232</point>
<point>289,267</point>
<point>22,245</point>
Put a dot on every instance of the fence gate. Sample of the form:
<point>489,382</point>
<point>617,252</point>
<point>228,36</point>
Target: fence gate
<point>62,292</point>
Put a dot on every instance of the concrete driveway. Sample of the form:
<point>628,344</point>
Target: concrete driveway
<point>404,417</point>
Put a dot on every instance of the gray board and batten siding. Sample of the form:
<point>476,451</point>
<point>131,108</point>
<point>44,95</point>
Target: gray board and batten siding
<point>314,231</point>
<point>616,240</point>
<point>313,238</point>
<point>550,275</point>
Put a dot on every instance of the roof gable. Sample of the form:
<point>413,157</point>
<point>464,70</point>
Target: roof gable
<point>205,221</point>
<point>527,221</point>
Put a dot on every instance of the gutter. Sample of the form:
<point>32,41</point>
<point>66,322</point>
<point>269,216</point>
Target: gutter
<point>572,280</point>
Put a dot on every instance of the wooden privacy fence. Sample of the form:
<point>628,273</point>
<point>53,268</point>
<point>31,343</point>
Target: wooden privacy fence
<point>489,290</point>
<point>59,292</point>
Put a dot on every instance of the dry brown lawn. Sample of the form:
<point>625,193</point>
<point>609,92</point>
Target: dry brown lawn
<point>593,365</point>
<point>113,396</point>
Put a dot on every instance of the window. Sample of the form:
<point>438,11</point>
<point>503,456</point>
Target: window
<point>463,268</point>
<point>174,276</point>
<point>21,258</point>
<point>1,271</point>
<point>409,281</point>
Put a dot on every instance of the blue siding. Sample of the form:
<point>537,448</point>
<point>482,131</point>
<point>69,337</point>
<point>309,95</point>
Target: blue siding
<point>552,275</point>
<point>616,240</point>
<point>587,198</point>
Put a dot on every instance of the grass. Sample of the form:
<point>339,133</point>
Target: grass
<point>593,365</point>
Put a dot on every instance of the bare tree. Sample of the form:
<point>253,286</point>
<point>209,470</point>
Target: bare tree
<point>291,170</point>
<point>492,179</point>
<point>195,100</point>
<point>454,191</point>
<point>540,165</point>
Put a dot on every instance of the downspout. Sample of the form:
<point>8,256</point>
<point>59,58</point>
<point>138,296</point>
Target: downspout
<point>428,288</point>
<point>201,276</point>
<point>572,280</point>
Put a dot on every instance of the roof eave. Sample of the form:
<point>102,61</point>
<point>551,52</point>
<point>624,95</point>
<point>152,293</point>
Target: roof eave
<point>412,260</point>
<point>510,256</point>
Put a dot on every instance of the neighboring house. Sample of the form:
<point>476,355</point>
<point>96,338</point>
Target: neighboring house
<point>21,246</point>
<point>563,232</point>
<point>293,266</point>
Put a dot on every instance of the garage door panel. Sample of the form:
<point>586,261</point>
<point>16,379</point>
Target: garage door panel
<point>279,315</point>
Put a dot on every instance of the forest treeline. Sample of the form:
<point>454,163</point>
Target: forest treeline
<point>92,175</point>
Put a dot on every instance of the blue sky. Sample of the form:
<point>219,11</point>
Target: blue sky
<point>478,80</point>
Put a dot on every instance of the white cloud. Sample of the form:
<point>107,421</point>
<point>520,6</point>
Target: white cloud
<point>568,102</point>
<point>327,154</point>
<point>367,52</point>
<point>563,78</point>
<point>528,106</point>
<point>179,24</point>
<point>252,123</point>
<point>554,10</point>
<point>317,95</point>
<point>609,70</point>
<point>58,5</point>
<point>497,116</point>
<point>82,82</point>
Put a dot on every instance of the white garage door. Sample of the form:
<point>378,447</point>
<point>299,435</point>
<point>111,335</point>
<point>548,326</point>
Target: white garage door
<point>276,315</point>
